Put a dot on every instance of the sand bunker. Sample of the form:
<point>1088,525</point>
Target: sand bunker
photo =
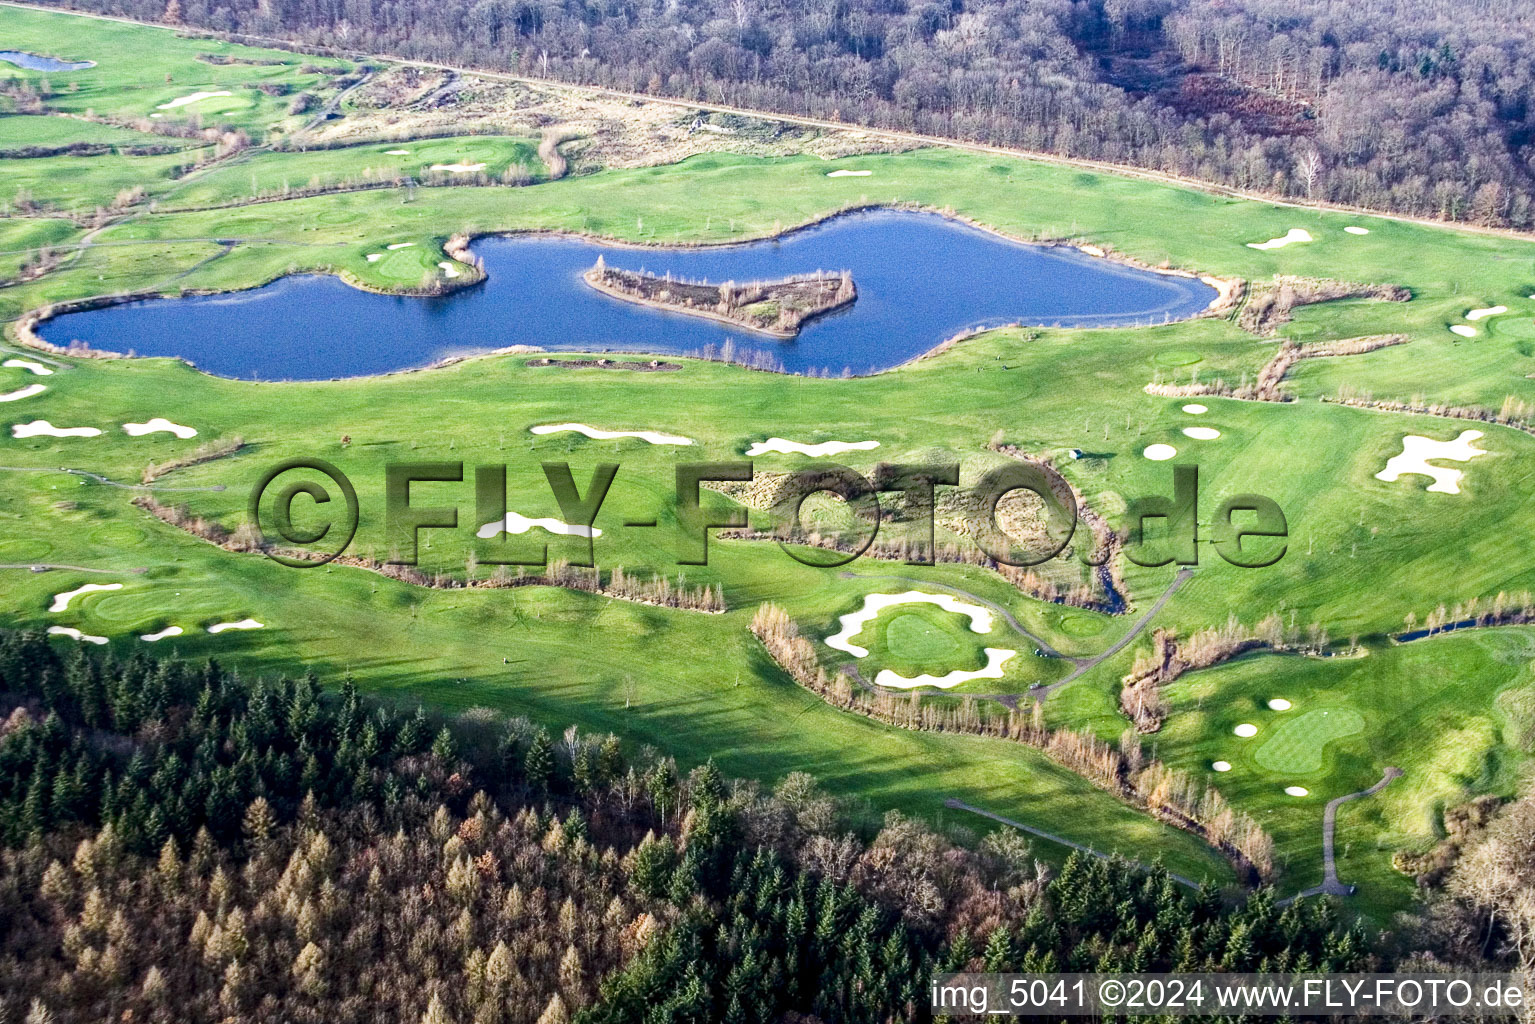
<point>61,601</point>
<point>1416,451</point>
<point>168,631</point>
<point>448,269</point>
<point>1201,433</point>
<point>848,174</point>
<point>459,168</point>
<point>27,364</point>
<point>26,392</point>
<point>374,257</point>
<point>42,428</point>
<point>157,425</point>
<point>1220,766</point>
<point>1195,409</point>
<point>219,627</point>
<point>70,631</point>
<point>1297,791</point>
<point>873,604</point>
<point>515,523</point>
<point>996,657</point>
<point>1478,314</point>
<point>653,436</point>
<point>1246,730</point>
<point>815,451</point>
<point>1159,452</point>
<point>1463,330</point>
<point>195,97</point>
<point>1356,230</point>
<point>1279,704</point>
<point>397,152</point>
<point>1293,235</point>
<point>399,245</point>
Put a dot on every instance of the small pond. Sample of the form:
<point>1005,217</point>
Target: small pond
<point>38,62</point>
<point>921,279</point>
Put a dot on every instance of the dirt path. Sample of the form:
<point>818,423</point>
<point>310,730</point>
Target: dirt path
<point>960,805</point>
<point>1331,886</point>
<point>37,566</point>
<point>1087,665</point>
<point>105,480</point>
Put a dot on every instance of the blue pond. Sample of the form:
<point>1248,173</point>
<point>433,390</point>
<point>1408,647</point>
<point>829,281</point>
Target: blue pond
<point>37,62</point>
<point>920,279</point>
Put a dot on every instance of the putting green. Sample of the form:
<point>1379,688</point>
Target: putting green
<point>188,605</point>
<point>917,638</point>
<point>25,550</point>
<point>1082,625</point>
<point>1297,746</point>
<point>1177,357</point>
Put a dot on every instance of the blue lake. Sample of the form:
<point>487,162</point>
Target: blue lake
<point>920,278</point>
<point>37,62</point>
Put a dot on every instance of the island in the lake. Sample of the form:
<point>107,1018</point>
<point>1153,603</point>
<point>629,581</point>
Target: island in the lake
<point>778,308</point>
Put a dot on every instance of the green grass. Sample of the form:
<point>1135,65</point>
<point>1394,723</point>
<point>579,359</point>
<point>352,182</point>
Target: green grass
<point>1297,744</point>
<point>18,131</point>
<point>1453,712</point>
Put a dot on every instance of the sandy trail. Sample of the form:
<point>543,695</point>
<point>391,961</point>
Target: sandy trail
<point>815,451</point>
<point>1293,235</point>
<point>61,600</point>
<point>652,436</point>
<point>514,523</point>
<point>42,428</point>
<point>26,392</point>
<point>1417,450</point>
<point>853,622</point>
<point>159,425</point>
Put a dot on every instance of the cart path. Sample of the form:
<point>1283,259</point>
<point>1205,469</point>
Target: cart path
<point>960,805</point>
<point>105,480</point>
<point>1331,886</point>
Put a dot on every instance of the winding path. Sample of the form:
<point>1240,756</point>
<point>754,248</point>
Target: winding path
<point>960,805</point>
<point>1088,664</point>
<point>1331,886</point>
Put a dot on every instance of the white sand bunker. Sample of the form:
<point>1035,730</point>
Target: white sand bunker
<point>448,269</point>
<point>196,97</point>
<point>1293,235</point>
<point>848,174</point>
<point>1280,704</point>
<point>61,601</point>
<point>459,168</point>
<point>374,257</point>
<point>1159,452</point>
<point>1201,433</point>
<point>815,451</point>
<point>1416,451</point>
<point>996,657</point>
<point>873,604</point>
<point>157,425</point>
<point>1195,409</point>
<point>26,392</point>
<point>515,523</point>
<point>168,631</point>
<point>1246,730</point>
<point>219,627</point>
<point>397,152</point>
<point>27,364</point>
<point>1297,791</point>
<point>42,428</point>
<point>653,436</point>
<point>399,245</point>
<point>1479,314</point>
<point>71,631</point>
<point>1355,229</point>
<point>1221,766</point>
<point>1463,330</point>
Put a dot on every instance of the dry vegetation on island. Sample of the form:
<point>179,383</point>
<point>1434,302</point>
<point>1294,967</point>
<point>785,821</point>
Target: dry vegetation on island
<point>779,308</point>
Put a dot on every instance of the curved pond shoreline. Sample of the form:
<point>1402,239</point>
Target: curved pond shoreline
<point>923,278</point>
<point>42,62</point>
